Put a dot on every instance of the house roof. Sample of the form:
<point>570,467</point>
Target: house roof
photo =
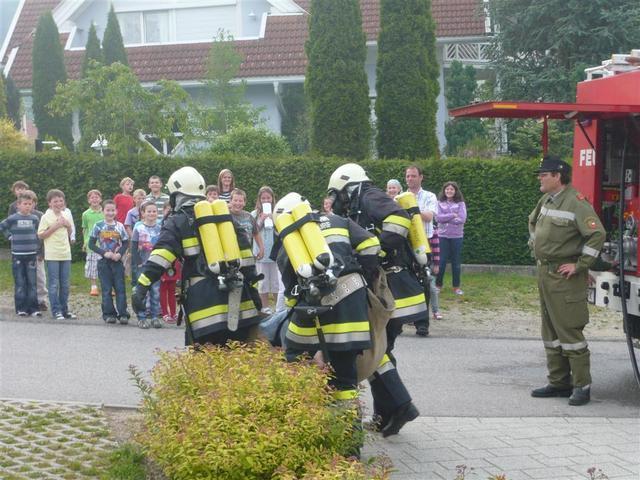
<point>279,54</point>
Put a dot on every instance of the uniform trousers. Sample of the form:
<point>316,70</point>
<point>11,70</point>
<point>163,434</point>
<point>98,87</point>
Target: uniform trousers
<point>563,306</point>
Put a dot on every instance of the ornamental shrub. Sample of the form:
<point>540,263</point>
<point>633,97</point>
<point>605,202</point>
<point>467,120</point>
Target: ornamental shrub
<point>253,142</point>
<point>241,412</point>
<point>499,193</point>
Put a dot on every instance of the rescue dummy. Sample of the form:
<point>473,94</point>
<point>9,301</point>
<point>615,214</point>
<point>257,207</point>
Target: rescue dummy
<point>218,300</point>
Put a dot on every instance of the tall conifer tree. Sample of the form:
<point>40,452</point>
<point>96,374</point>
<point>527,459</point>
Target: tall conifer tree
<point>48,70</point>
<point>336,82</point>
<point>112,44</point>
<point>92,50</point>
<point>14,110</point>
<point>407,80</point>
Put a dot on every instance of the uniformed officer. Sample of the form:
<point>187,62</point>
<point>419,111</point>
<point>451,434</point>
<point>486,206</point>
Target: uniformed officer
<point>566,237</point>
<point>216,310</point>
<point>355,197</point>
<point>345,326</point>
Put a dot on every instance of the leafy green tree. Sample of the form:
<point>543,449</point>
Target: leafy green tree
<point>407,80</point>
<point>92,51</point>
<point>541,48</point>
<point>114,104</point>
<point>48,71</point>
<point>112,44</point>
<point>461,88</point>
<point>14,106</point>
<point>525,139</point>
<point>3,98</point>
<point>295,119</point>
<point>228,108</point>
<point>10,137</point>
<point>336,82</point>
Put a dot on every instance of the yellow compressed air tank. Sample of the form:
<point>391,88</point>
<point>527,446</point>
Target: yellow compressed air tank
<point>295,247</point>
<point>314,240</point>
<point>211,245</point>
<point>227,232</point>
<point>417,236</point>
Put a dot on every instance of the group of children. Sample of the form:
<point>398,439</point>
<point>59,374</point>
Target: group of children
<point>118,236</point>
<point>41,249</point>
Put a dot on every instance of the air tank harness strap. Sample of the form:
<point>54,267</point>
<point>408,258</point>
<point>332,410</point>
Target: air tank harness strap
<point>309,217</point>
<point>213,219</point>
<point>412,211</point>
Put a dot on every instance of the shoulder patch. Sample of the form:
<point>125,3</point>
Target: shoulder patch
<point>591,222</point>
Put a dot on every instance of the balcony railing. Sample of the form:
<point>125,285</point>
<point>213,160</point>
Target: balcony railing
<point>466,52</point>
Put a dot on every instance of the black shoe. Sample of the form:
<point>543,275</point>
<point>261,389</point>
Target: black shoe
<point>550,391</point>
<point>580,396</point>
<point>422,331</point>
<point>400,417</point>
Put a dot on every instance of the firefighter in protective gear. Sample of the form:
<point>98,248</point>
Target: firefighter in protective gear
<point>356,198</point>
<point>341,329</point>
<point>219,306</point>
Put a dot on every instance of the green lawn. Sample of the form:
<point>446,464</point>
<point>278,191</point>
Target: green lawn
<point>78,282</point>
<point>481,290</point>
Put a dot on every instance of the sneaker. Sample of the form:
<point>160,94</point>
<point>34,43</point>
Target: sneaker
<point>458,291</point>
<point>22,314</point>
<point>70,316</point>
<point>123,320</point>
<point>94,291</point>
<point>437,316</point>
<point>168,319</point>
<point>156,323</point>
<point>58,316</point>
<point>110,320</point>
<point>267,311</point>
<point>143,323</point>
<point>36,314</point>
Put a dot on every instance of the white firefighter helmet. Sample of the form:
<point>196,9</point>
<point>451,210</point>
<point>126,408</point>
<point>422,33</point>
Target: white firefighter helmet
<point>188,181</point>
<point>287,203</point>
<point>347,174</point>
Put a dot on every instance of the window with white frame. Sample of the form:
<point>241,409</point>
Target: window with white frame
<point>144,27</point>
<point>176,25</point>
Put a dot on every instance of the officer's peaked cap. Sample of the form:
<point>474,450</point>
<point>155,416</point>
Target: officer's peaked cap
<point>551,163</point>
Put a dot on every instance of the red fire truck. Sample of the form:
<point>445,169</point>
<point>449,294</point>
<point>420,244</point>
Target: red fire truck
<point>606,169</point>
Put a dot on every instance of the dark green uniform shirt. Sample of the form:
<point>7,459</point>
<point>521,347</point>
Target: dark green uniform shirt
<point>565,229</point>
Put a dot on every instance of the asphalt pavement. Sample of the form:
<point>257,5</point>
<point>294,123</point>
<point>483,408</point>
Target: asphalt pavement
<point>473,395</point>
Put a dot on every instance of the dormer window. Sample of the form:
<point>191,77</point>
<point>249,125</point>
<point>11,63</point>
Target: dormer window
<point>144,27</point>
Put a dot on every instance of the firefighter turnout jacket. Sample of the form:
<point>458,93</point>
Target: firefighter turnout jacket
<point>346,325</point>
<point>376,212</point>
<point>205,304</point>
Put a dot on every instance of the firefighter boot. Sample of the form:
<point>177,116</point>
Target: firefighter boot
<point>551,391</point>
<point>580,396</point>
<point>400,417</point>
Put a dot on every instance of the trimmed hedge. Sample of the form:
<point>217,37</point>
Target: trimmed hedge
<point>499,193</point>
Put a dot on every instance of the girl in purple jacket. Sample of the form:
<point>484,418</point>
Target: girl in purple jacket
<point>451,214</point>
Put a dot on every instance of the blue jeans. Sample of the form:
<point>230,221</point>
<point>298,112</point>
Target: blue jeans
<point>111,276</point>
<point>24,278</point>
<point>450,251</point>
<point>58,285</point>
<point>152,302</point>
